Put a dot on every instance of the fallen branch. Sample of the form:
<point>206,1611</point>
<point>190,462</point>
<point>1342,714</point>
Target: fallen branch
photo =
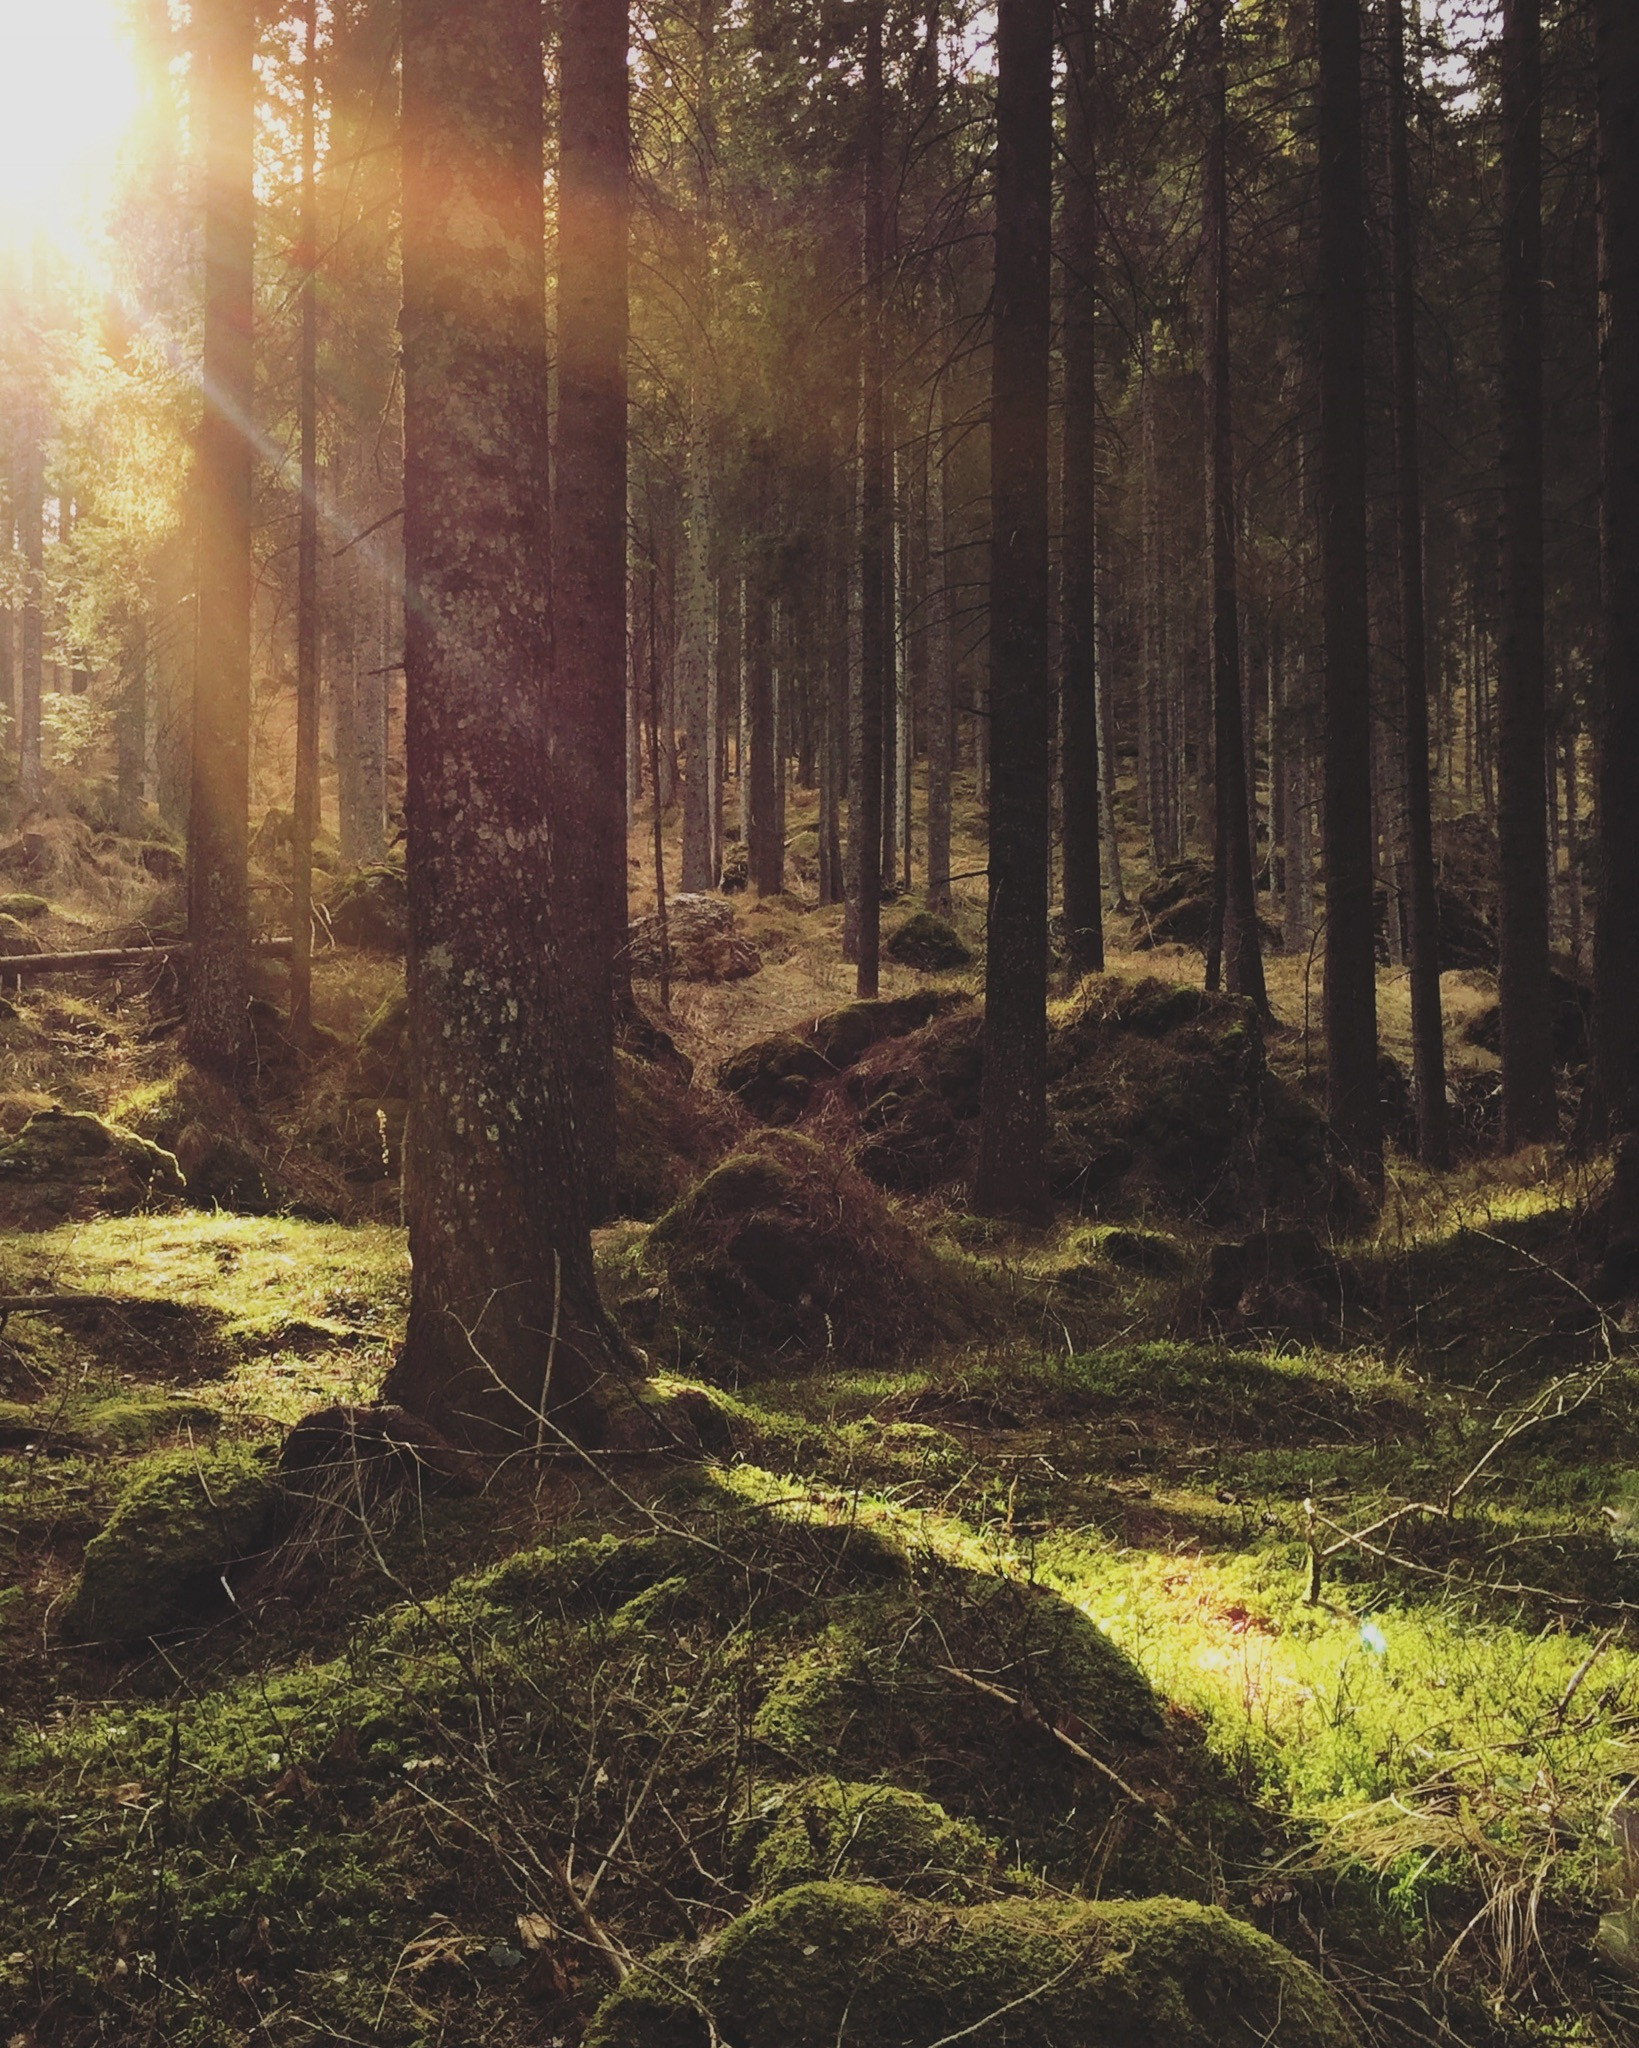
<point>24,966</point>
<point>1069,1742</point>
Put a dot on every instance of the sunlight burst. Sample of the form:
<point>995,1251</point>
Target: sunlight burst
<point>68,94</point>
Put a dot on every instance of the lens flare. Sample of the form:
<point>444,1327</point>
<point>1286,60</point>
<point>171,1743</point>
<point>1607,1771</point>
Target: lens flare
<point>69,91</point>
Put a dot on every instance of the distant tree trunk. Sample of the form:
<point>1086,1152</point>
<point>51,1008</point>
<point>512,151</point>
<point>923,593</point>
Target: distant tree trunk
<point>31,521</point>
<point>1422,915</point>
<point>875,666</point>
<point>1083,895</point>
<point>941,666</point>
<point>893,655</point>
<point>728,663</point>
<point>765,850</point>
<point>305,811</point>
<point>1012,1176</point>
<point>1351,964</point>
<point>1235,888</point>
<point>694,658</point>
<point>219,803</point>
<point>1616,926</point>
<point>8,619</point>
<point>130,728</point>
<point>1528,1109</point>
<point>589,531</point>
<point>507,1344</point>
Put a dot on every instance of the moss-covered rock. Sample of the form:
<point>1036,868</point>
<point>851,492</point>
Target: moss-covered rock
<point>158,1564</point>
<point>782,1249</point>
<point>22,904</point>
<point>776,1077</point>
<point>929,943</point>
<point>68,1164</point>
<point>703,942</point>
<point>832,1962</point>
<point>829,1828</point>
<point>371,909</point>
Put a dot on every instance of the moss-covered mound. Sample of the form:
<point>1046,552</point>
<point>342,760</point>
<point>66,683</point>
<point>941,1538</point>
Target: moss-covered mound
<point>835,1963</point>
<point>160,1561</point>
<point>702,942</point>
<point>931,944</point>
<point>371,909</point>
<point>219,1143</point>
<point>776,1078</point>
<point>70,1165</point>
<point>783,1250</point>
<point>667,1134</point>
<point>1157,1097</point>
<point>24,904</point>
<point>828,1828</point>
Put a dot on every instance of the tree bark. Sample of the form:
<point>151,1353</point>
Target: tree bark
<point>874,534</point>
<point>941,666</point>
<point>1422,916</point>
<point>31,680</point>
<point>1528,1109</point>
<point>1012,1176</point>
<point>305,811</point>
<point>765,848</point>
<point>589,533</point>
<point>1083,895</point>
<point>1616,928</point>
<point>1235,889</point>
<point>1351,965</point>
<point>219,796</point>
<point>507,1344</point>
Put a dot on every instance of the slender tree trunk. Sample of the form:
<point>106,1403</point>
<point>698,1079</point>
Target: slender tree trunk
<point>875,667</point>
<point>589,532</point>
<point>507,1344</point>
<point>1528,1109</point>
<point>305,818</point>
<point>1616,927</point>
<point>218,812</point>
<point>694,657</point>
<point>941,666</point>
<point>130,728</point>
<point>1012,1176</point>
<point>1422,916</point>
<point>765,849</point>
<point>1083,893</point>
<point>1235,888</point>
<point>893,655</point>
<point>31,520</point>
<point>1351,966</point>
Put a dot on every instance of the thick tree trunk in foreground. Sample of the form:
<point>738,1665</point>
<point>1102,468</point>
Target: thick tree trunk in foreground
<point>219,799</point>
<point>1528,1112</point>
<point>1236,892</point>
<point>1422,917</point>
<point>1012,1177</point>
<point>874,597</point>
<point>1083,884</point>
<point>507,1344</point>
<point>1351,964</point>
<point>589,532</point>
<point>1616,924</point>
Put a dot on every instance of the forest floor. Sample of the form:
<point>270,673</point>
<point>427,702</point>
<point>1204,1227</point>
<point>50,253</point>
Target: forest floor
<point>1332,1626</point>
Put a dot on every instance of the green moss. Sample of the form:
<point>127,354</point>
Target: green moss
<point>775,1077</point>
<point>183,1519</point>
<point>20,903</point>
<point>826,1828</point>
<point>834,1962</point>
<point>931,944</point>
<point>70,1163</point>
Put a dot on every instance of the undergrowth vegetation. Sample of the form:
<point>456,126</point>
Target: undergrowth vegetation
<point>1187,1624</point>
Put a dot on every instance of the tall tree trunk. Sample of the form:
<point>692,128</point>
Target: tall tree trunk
<point>1083,894</point>
<point>893,653</point>
<point>589,533</point>
<point>875,597</point>
<point>1012,1175</point>
<point>1616,927</point>
<point>305,818</point>
<point>31,521</point>
<point>1351,965</point>
<point>694,656</point>
<point>219,798</point>
<point>1528,1110</point>
<point>765,848</point>
<point>941,665</point>
<point>130,727</point>
<point>1235,889</point>
<point>1422,916</point>
<point>507,1344</point>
